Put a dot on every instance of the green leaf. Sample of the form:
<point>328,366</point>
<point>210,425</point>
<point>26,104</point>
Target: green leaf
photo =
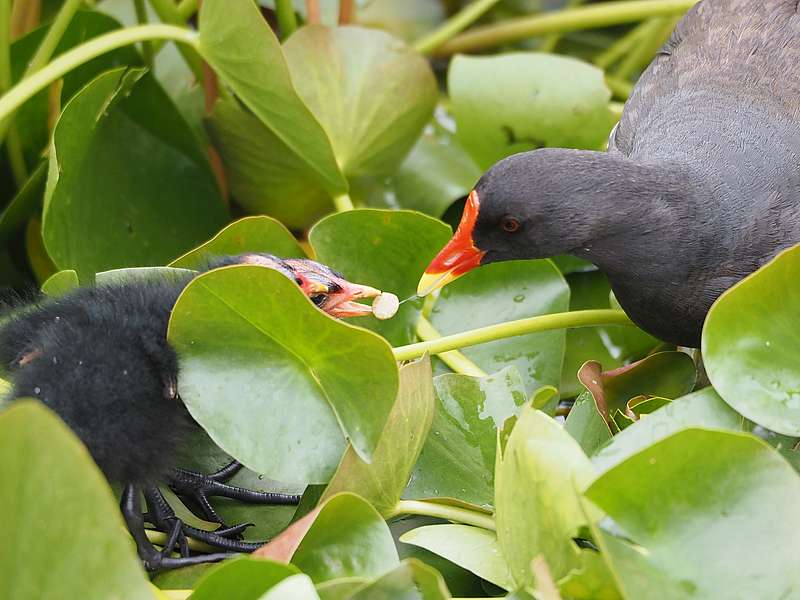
<point>63,534</point>
<point>436,173</point>
<point>381,481</point>
<point>117,276</point>
<point>24,205</point>
<point>242,578</point>
<point>612,346</point>
<point>252,346</point>
<point>711,535</point>
<point>410,19</point>
<point>134,188</point>
<point>250,234</point>
<point>473,548</point>
<point>264,176</point>
<point>587,425</point>
<point>593,581</point>
<point>502,292</point>
<point>60,283</point>
<point>241,48</point>
<point>534,100</point>
<point>296,587</point>
<point>664,374</point>
<point>340,589</point>
<point>701,409</point>
<point>370,92</point>
<point>388,250</point>
<point>537,496</point>
<point>32,118</point>
<point>752,360</point>
<point>348,538</point>
<point>412,580</point>
<point>458,457</point>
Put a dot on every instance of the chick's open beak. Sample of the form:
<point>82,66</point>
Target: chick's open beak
<point>330,291</point>
<point>342,303</point>
<point>458,257</point>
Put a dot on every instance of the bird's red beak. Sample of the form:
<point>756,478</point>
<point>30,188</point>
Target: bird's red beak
<point>458,257</point>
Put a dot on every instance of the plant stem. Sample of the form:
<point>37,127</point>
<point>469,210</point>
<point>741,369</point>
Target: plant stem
<point>16,156</point>
<point>287,20</point>
<point>550,42</point>
<point>148,51</point>
<point>445,511</point>
<point>313,14</point>
<point>186,9</point>
<point>168,12</point>
<point>343,203</point>
<point>643,52</point>
<point>619,87</point>
<point>453,26</point>
<point>53,36</point>
<point>5,45</point>
<point>586,17</point>
<point>620,47</point>
<point>347,11</point>
<point>567,320</point>
<point>453,359</point>
<point>30,86</point>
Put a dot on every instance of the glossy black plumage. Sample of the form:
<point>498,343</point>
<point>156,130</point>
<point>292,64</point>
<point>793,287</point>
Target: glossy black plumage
<point>700,185</point>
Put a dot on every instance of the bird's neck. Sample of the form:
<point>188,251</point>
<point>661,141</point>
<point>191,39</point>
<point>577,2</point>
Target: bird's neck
<point>622,209</point>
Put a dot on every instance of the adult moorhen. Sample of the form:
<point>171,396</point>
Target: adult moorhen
<point>700,185</point>
<point>99,358</point>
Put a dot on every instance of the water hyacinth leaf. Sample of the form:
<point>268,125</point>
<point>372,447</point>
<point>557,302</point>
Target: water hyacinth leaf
<point>250,234</point>
<point>535,100</point>
<point>117,276</point>
<point>592,581</point>
<point>587,425</point>
<point>412,580</point>
<point>436,173</point>
<point>340,589</point>
<point>132,190</point>
<point>239,45</point>
<point>388,250</point>
<point>370,92</point>
<point>252,346</point>
<point>501,292</point>
<point>408,20</point>
<point>382,481</point>
<point>636,407</point>
<point>690,541</point>
<point>700,409</point>
<point>473,548</point>
<point>243,578</point>
<point>73,543</point>
<point>296,587</point>
<point>537,487</point>
<point>348,538</point>
<point>458,457</point>
<point>612,346</point>
<point>32,118</point>
<point>60,283</point>
<point>664,374</point>
<point>750,359</point>
<point>264,176</point>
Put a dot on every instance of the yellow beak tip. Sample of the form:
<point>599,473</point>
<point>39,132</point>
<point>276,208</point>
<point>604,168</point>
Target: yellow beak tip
<point>430,282</point>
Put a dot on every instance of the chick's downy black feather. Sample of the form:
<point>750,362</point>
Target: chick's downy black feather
<point>99,358</point>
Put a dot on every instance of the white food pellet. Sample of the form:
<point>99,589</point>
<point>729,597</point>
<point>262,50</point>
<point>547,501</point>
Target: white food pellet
<point>385,306</point>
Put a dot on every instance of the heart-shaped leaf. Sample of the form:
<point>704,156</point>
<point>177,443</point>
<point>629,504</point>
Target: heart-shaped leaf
<point>537,487</point>
<point>241,48</point>
<point>243,578</point>
<point>458,458</point>
<point>750,359</point>
<point>60,283</point>
<point>534,100</point>
<point>412,580</point>
<point>711,535</point>
<point>63,534</point>
<point>348,538</point>
<point>371,93</point>
<point>587,425</point>
<point>502,292</point>
<point>296,587</point>
<point>388,250</point>
<point>473,548</point>
<point>134,188</point>
<point>259,373</point>
<point>250,234</point>
<point>381,482</point>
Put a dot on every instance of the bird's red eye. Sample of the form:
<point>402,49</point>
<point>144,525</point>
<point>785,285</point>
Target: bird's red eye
<point>509,224</point>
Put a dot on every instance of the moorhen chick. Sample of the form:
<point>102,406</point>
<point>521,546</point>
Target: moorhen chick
<point>700,185</point>
<point>99,358</point>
